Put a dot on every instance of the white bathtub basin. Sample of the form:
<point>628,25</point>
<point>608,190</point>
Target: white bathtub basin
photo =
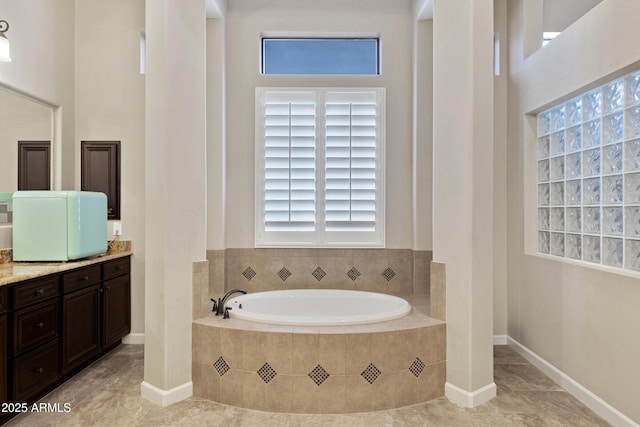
<point>319,307</point>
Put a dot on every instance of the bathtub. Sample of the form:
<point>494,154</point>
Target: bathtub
<point>317,307</point>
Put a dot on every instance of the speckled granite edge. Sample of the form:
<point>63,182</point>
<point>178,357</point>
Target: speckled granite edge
<point>6,256</point>
<point>113,247</point>
<point>117,246</point>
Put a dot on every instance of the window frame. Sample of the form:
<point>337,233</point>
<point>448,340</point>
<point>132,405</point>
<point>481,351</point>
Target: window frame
<point>603,139</point>
<point>320,36</point>
<point>320,237</point>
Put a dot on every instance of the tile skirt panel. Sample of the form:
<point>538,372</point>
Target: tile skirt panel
<point>304,380</point>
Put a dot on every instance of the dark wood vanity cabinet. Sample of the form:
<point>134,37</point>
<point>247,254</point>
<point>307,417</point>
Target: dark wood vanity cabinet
<point>4,338</point>
<point>81,327</point>
<point>52,327</point>
<point>96,309</point>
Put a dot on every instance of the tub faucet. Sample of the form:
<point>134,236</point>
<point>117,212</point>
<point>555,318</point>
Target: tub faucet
<point>222,301</point>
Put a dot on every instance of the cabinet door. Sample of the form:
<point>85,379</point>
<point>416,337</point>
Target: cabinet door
<point>100,171</point>
<point>81,327</point>
<point>116,309</point>
<point>3,358</point>
<point>34,165</point>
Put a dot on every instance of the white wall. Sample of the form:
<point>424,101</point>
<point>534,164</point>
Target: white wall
<point>246,19</point>
<point>582,319</point>
<point>110,107</point>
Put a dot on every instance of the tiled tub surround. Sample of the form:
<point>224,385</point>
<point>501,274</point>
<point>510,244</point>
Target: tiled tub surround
<point>336,369</point>
<point>390,271</point>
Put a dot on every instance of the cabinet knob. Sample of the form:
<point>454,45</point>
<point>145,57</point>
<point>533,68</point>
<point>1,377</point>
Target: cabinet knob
<point>38,325</point>
<point>85,278</point>
<point>38,370</point>
<point>120,267</point>
<point>39,292</point>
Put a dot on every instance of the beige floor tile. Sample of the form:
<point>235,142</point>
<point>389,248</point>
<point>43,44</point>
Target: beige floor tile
<point>108,394</point>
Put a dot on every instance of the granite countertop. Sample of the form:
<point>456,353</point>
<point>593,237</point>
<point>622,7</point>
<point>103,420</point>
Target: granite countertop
<point>12,272</point>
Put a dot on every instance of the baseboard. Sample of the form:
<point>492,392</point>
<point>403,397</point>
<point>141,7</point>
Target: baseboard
<point>499,340</point>
<point>133,339</point>
<point>577,390</point>
<point>166,397</point>
<point>469,399</point>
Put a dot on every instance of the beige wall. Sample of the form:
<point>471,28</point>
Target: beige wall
<point>21,119</point>
<point>175,190</point>
<point>110,107</point>
<point>67,57</point>
<point>500,181</point>
<point>246,19</point>
<point>582,319</point>
<point>463,189</point>
<point>422,156</point>
<point>42,67</point>
<point>43,56</point>
<point>216,133</point>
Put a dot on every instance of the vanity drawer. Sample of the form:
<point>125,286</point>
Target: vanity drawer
<point>81,278</point>
<point>36,291</point>
<point>35,325</point>
<point>3,300</point>
<point>35,371</point>
<point>116,268</point>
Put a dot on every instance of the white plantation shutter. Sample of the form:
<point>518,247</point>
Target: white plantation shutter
<point>319,174</point>
<point>350,161</point>
<point>289,161</point>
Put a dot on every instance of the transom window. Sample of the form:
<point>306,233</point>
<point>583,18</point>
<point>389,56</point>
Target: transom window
<point>320,56</point>
<point>589,176</point>
<point>319,163</point>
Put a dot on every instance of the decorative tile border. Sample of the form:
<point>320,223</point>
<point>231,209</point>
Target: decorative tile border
<point>392,271</point>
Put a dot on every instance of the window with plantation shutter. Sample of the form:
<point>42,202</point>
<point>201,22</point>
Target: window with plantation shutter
<point>319,167</point>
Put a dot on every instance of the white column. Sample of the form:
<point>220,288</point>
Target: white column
<point>463,191</point>
<point>175,187</point>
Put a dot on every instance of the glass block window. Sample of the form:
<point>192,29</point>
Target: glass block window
<point>589,176</point>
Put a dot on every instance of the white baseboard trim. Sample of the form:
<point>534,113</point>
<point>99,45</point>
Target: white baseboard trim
<point>499,340</point>
<point>166,397</point>
<point>133,339</point>
<point>469,399</point>
<point>577,390</point>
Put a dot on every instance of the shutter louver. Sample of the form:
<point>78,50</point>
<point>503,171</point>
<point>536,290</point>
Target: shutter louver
<point>350,162</point>
<point>289,162</point>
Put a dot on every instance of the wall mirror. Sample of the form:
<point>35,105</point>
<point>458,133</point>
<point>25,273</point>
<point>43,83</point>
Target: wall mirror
<point>24,122</point>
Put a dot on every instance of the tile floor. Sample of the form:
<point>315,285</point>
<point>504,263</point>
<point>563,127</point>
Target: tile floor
<point>108,394</point>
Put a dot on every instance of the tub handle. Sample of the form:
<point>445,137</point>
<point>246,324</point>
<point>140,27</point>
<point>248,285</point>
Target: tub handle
<point>215,305</point>
<point>226,312</point>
